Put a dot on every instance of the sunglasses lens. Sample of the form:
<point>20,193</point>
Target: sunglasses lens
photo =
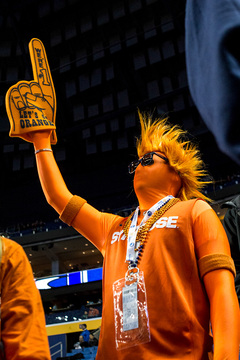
<point>147,159</point>
<point>132,167</point>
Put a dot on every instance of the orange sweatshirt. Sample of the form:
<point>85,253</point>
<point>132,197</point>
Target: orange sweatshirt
<point>178,306</point>
<point>23,330</point>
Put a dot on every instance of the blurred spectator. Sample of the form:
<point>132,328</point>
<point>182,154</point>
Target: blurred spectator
<point>23,330</point>
<point>84,336</point>
<point>93,312</point>
<point>85,315</point>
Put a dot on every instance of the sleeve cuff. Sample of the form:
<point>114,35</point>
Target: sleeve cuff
<point>71,209</point>
<point>215,262</point>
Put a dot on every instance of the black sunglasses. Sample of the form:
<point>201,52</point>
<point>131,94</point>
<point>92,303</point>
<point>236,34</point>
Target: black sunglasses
<point>146,160</point>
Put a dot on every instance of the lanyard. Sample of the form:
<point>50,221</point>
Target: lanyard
<point>133,230</point>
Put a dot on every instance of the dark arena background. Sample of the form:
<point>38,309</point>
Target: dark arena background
<point>108,59</point>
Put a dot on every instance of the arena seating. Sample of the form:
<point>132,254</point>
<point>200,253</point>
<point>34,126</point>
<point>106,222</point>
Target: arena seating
<point>87,353</point>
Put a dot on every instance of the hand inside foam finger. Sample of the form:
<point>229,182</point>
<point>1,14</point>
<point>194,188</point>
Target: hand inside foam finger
<point>31,105</point>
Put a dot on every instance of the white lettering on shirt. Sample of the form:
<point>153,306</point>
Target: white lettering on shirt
<point>164,222</point>
<point>117,235</point>
<point>168,222</point>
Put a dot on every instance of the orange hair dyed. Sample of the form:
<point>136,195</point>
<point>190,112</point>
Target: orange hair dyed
<point>183,156</point>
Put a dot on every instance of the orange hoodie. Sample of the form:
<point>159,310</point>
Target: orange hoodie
<point>23,329</point>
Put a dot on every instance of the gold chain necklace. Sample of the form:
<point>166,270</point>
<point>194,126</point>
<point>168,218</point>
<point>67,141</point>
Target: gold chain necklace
<point>143,231</point>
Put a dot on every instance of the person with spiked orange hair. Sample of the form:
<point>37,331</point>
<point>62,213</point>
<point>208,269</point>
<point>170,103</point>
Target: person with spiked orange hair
<point>168,277</point>
<point>185,256</point>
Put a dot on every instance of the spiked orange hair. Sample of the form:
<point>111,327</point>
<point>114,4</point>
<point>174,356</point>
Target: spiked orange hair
<point>183,156</point>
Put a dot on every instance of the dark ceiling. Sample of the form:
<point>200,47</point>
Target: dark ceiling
<point>108,58</point>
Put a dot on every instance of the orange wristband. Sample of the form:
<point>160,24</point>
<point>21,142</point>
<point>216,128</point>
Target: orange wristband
<point>214,262</point>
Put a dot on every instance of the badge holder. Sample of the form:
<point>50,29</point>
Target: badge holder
<point>130,310</point>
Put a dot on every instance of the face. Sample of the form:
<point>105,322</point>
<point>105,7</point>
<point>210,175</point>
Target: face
<point>157,177</point>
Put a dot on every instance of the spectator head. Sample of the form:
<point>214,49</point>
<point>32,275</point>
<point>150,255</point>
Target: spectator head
<point>82,326</point>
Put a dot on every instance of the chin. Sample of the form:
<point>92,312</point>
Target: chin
<point>139,183</point>
<point>164,183</point>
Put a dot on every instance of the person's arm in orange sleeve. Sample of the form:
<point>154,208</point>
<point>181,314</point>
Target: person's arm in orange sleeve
<point>38,98</point>
<point>23,329</point>
<point>58,195</point>
<point>210,238</point>
<point>53,185</point>
<point>224,310</point>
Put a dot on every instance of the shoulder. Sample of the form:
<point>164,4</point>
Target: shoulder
<point>203,213</point>
<point>13,257</point>
<point>194,204</point>
<point>16,271</point>
<point>194,207</point>
<point>198,205</point>
<point>10,247</point>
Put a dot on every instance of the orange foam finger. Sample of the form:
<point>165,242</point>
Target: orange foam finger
<point>31,105</point>
<point>27,112</point>
<point>42,75</point>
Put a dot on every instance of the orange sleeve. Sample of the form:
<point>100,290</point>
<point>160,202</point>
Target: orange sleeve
<point>73,210</point>
<point>210,240</point>
<point>208,232</point>
<point>94,225</point>
<point>23,322</point>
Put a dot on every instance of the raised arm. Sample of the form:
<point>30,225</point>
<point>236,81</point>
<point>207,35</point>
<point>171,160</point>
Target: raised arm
<point>59,197</point>
<point>31,108</point>
<point>53,185</point>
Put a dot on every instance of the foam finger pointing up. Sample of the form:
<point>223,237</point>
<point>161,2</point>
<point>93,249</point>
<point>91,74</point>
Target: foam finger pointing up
<point>41,70</point>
